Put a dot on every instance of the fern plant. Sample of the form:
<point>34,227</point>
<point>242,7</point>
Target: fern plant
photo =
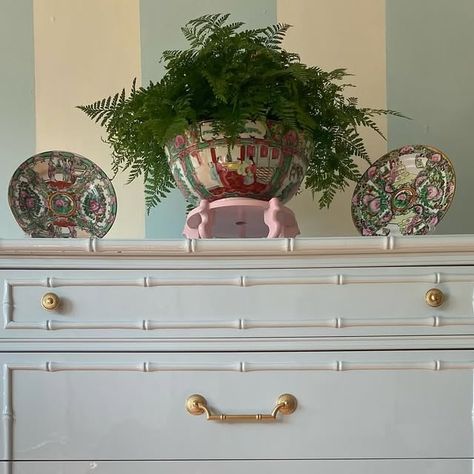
<point>231,75</point>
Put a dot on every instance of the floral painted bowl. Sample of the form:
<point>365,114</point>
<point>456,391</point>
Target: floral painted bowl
<point>62,194</point>
<point>407,191</point>
<point>264,162</point>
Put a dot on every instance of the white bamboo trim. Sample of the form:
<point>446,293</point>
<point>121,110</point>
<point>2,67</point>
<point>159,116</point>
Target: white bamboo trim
<point>144,325</point>
<point>7,304</point>
<point>93,246</point>
<point>240,324</point>
<point>7,413</point>
<point>248,281</point>
<point>241,247</point>
<point>341,366</point>
<point>236,366</point>
<point>145,282</point>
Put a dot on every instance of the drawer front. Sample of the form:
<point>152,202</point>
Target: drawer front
<point>440,466</point>
<point>132,406</point>
<point>237,303</point>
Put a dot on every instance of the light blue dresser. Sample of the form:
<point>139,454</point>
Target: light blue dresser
<point>104,342</point>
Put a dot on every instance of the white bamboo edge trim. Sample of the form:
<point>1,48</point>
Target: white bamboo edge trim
<point>244,366</point>
<point>434,278</point>
<point>7,413</point>
<point>242,247</point>
<point>239,324</point>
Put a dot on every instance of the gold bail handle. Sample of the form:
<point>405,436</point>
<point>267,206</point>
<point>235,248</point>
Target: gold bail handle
<point>285,404</point>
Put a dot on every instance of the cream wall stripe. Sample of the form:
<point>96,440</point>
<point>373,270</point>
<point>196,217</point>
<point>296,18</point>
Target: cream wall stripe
<point>85,51</point>
<point>333,34</point>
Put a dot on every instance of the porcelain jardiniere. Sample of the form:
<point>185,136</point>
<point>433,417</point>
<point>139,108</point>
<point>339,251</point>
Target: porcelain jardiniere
<point>263,163</point>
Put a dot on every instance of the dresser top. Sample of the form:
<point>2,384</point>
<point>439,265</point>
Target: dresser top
<point>219,253</point>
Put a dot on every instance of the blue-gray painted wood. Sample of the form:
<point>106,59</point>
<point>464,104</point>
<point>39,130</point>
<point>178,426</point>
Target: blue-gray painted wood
<point>160,23</point>
<point>17,99</point>
<point>430,77</point>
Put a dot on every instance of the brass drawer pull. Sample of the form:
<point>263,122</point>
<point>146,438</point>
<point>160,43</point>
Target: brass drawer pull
<point>434,297</point>
<point>50,301</point>
<point>197,405</point>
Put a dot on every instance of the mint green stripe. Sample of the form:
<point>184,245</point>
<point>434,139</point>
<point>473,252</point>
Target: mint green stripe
<point>17,99</point>
<point>160,23</point>
<point>430,77</point>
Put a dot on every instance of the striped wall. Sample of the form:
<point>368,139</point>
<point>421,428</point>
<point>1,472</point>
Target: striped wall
<point>160,30</point>
<point>86,50</point>
<point>17,98</point>
<point>430,77</point>
<point>334,34</point>
<point>411,55</point>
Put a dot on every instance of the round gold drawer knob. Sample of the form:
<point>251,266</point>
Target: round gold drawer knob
<point>434,297</point>
<point>50,301</point>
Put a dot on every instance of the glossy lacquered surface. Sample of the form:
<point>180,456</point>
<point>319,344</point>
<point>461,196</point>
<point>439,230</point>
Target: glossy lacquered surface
<point>99,382</point>
<point>132,406</point>
<point>240,302</point>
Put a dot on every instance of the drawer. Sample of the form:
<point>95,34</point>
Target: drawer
<point>237,302</point>
<point>416,466</point>
<point>351,405</point>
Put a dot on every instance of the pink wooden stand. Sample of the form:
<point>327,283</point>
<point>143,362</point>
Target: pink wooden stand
<point>240,217</point>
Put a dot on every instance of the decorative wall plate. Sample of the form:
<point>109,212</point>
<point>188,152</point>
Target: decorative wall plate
<point>62,194</point>
<point>407,191</point>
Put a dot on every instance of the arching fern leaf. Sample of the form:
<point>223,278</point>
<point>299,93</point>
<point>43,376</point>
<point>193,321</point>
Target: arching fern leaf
<point>230,75</point>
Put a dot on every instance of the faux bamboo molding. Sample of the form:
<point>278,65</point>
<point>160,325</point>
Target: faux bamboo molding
<point>245,247</point>
<point>240,324</point>
<point>244,281</point>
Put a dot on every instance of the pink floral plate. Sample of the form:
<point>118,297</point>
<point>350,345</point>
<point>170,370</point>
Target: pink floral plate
<point>407,191</point>
<point>62,194</point>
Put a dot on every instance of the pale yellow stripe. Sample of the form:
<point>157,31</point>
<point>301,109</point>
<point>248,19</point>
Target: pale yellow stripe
<point>86,50</point>
<point>333,34</point>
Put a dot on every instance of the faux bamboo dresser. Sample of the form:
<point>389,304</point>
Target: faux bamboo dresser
<point>342,355</point>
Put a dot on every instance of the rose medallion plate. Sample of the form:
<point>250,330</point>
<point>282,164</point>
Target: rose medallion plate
<point>62,194</point>
<point>407,191</point>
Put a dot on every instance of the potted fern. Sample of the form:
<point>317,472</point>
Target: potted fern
<point>236,115</point>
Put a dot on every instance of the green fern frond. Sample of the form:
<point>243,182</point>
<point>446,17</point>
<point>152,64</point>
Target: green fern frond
<point>218,86</point>
<point>274,35</point>
<point>366,121</point>
<point>157,189</point>
<point>231,75</point>
<point>373,112</point>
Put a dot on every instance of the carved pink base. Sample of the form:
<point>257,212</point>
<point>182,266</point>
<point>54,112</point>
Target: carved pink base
<point>240,217</point>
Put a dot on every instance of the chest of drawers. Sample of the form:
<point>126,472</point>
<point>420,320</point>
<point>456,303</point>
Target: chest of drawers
<point>103,344</point>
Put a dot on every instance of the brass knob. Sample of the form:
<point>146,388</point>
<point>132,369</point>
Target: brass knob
<point>194,404</point>
<point>434,297</point>
<point>287,403</point>
<point>50,301</point>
